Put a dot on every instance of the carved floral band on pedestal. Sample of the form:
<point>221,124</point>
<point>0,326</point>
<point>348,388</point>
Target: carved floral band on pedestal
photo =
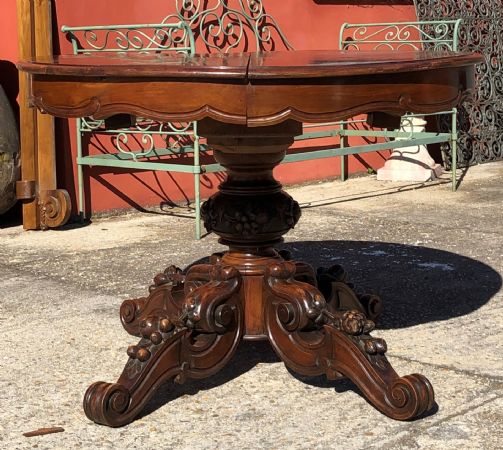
<point>259,218</point>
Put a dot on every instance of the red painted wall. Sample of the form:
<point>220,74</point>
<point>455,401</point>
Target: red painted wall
<point>308,24</point>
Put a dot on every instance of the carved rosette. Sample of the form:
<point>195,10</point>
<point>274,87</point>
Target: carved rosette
<point>258,219</point>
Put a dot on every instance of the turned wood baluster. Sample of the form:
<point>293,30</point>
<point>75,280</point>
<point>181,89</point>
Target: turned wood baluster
<point>250,212</point>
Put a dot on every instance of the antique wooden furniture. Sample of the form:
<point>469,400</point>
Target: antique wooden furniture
<point>250,108</point>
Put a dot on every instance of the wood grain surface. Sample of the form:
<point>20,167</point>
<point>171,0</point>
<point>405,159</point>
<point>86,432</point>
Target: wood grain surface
<point>256,89</point>
<point>253,89</point>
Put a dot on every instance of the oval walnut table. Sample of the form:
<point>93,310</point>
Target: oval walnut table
<point>250,107</point>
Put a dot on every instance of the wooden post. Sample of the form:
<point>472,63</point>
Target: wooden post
<point>27,119</point>
<point>45,205</point>
<point>53,204</point>
<point>46,151</point>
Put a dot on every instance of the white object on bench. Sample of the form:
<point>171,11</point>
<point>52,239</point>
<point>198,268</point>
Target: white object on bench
<point>410,163</point>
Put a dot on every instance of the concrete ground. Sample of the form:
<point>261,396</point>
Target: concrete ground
<point>435,257</point>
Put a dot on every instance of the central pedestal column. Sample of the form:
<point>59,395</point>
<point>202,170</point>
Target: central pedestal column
<point>250,212</point>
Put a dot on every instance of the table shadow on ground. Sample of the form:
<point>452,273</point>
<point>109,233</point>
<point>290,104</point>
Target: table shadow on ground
<point>416,284</point>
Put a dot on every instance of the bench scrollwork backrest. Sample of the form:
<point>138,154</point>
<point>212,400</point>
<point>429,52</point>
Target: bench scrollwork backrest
<point>230,25</point>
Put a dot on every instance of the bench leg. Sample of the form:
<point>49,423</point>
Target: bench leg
<point>454,148</point>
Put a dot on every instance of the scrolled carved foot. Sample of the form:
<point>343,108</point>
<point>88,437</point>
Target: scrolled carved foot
<point>313,338</point>
<point>55,208</point>
<point>184,334</point>
<point>150,364</point>
<point>361,357</point>
<point>105,403</point>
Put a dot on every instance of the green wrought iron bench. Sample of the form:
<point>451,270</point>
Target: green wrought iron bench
<point>135,142</point>
<point>402,36</point>
<point>396,36</point>
<point>142,144</point>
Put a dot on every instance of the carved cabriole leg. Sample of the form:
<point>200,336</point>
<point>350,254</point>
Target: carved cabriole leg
<point>314,339</point>
<point>361,358</point>
<point>188,330</point>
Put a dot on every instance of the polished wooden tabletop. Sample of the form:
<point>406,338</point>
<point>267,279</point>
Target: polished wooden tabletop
<point>253,89</point>
<point>283,64</point>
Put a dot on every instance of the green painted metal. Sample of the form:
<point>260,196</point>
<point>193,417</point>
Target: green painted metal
<point>212,168</point>
<point>371,133</point>
<point>139,165</point>
<point>454,147</point>
<point>80,173</point>
<point>224,26</point>
<point>147,37</point>
<point>435,34</point>
<point>154,153</point>
<point>357,149</point>
<point>197,183</point>
<point>143,133</point>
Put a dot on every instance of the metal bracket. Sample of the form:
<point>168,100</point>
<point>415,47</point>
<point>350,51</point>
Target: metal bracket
<point>26,190</point>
